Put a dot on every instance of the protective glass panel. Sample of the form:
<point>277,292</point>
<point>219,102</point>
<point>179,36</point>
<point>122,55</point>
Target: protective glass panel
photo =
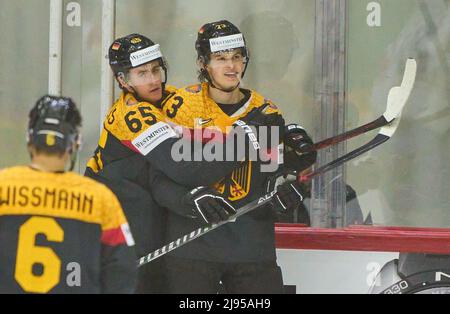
<point>406,180</point>
<point>24,33</point>
<point>81,79</point>
<point>23,76</point>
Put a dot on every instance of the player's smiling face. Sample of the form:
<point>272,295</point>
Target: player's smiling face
<point>225,68</point>
<point>146,80</point>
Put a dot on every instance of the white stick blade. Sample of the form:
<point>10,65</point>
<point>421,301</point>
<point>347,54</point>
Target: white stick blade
<point>398,95</point>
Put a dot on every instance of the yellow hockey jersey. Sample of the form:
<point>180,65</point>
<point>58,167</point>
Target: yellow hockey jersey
<point>138,126</point>
<point>137,141</point>
<point>62,233</point>
<point>192,107</point>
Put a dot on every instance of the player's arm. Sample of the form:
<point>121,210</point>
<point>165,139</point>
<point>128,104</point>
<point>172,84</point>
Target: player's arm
<point>158,142</point>
<point>189,172</point>
<point>118,258</point>
<point>201,203</point>
<point>167,193</point>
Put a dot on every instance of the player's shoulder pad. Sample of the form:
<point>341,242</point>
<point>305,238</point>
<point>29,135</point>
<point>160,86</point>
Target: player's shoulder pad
<point>179,95</point>
<point>98,189</point>
<point>186,104</point>
<point>258,100</point>
<point>190,92</point>
<point>129,117</point>
<point>129,103</point>
<point>171,89</point>
<point>12,172</point>
<point>112,217</point>
<point>194,89</point>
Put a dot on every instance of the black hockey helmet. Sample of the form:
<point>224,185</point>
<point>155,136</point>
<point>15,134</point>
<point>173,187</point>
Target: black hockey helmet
<point>219,36</point>
<point>132,51</point>
<point>53,125</point>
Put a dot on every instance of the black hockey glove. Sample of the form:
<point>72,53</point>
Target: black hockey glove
<point>255,120</point>
<point>289,192</point>
<point>295,140</point>
<point>257,117</point>
<point>208,205</point>
<point>289,196</point>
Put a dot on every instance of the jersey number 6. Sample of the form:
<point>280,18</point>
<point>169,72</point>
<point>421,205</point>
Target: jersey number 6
<point>28,255</point>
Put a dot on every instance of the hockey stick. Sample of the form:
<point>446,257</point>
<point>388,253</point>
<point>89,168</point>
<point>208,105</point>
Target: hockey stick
<point>398,94</point>
<point>378,140</point>
<point>382,136</point>
<point>393,109</point>
<point>201,231</point>
<point>397,98</point>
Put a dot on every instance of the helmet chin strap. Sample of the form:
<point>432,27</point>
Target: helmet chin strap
<point>135,94</point>
<point>228,90</point>
<point>74,151</point>
<point>130,88</point>
<point>73,160</point>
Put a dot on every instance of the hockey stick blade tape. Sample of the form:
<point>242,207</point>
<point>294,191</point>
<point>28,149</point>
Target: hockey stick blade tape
<point>398,95</point>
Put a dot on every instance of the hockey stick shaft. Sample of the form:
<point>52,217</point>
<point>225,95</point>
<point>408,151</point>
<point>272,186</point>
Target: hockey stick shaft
<point>201,231</point>
<point>396,100</point>
<point>378,140</point>
<point>375,124</point>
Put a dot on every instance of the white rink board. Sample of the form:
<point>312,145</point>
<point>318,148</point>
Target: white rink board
<point>330,272</point>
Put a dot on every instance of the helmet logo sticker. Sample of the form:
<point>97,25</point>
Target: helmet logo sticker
<point>145,55</point>
<point>50,140</point>
<point>115,46</point>
<point>220,26</point>
<point>135,40</point>
<point>226,42</point>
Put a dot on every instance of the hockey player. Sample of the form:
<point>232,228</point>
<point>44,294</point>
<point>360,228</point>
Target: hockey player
<point>241,255</point>
<point>60,232</point>
<point>137,140</point>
